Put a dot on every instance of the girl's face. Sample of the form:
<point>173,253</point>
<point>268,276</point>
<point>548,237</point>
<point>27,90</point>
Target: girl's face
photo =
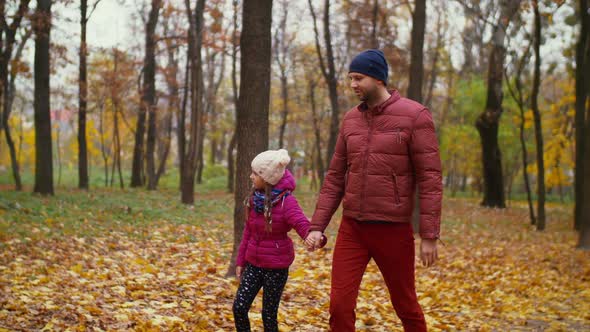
<point>257,181</point>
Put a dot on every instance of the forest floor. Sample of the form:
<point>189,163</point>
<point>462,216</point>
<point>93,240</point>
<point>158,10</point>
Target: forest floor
<point>112,259</point>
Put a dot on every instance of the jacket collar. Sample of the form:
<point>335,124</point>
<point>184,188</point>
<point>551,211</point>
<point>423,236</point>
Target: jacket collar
<point>395,96</point>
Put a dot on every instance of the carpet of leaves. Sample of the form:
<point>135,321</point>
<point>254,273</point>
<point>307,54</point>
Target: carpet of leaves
<point>107,272</point>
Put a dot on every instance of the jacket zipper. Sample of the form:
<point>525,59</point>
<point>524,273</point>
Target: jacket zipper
<point>395,189</point>
<point>365,161</point>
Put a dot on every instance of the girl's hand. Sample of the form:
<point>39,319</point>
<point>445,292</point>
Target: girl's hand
<point>313,240</point>
<point>239,270</point>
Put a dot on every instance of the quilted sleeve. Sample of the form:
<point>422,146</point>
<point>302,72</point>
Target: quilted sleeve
<point>424,152</point>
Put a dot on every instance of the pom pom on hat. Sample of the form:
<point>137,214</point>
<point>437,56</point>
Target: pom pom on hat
<point>271,164</point>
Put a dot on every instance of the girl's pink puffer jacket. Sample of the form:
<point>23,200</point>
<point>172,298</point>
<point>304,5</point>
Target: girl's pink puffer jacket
<point>273,250</point>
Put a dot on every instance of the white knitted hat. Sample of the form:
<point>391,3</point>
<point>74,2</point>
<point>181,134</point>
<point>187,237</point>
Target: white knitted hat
<point>270,165</point>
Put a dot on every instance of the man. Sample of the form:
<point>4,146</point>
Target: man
<point>385,146</point>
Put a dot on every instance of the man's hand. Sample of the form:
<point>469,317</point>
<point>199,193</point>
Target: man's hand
<point>428,252</point>
<point>313,240</point>
<point>239,270</point>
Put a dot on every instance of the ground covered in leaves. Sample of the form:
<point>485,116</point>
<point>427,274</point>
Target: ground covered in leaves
<point>136,260</point>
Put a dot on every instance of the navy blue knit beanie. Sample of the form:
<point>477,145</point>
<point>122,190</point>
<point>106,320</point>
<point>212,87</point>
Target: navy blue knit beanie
<point>371,63</point>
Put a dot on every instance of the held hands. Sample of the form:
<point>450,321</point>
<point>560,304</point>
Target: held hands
<point>314,240</point>
<point>428,252</point>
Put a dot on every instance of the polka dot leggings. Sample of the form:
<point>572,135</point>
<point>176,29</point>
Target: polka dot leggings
<point>253,278</point>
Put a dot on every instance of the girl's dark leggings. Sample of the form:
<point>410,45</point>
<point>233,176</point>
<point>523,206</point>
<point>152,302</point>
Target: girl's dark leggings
<point>253,278</point>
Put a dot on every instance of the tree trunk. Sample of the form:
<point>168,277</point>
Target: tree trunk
<point>232,143</point>
<point>317,132</point>
<point>488,122</point>
<point>434,65</point>
<point>374,20</point>
<point>252,132</point>
<point>537,119</point>
<point>195,43</point>
<point>329,75</point>
<point>101,132</point>
<point>417,51</point>
<point>82,101</point>
<point>584,241</point>
<point>148,98</point>
<point>181,125</point>
<point>521,106</point>
<point>416,78</point>
<point>43,146</point>
<point>582,86</point>
<point>281,57</point>
<point>7,87</point>
<point>173,108</point>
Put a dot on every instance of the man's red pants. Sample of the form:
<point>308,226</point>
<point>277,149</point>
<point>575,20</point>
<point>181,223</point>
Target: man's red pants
<point>392,248</point>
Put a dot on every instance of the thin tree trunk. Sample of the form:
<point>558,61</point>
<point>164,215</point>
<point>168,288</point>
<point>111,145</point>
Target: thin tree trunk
<point>329,73</point>
<point>488,122</point>
<point>281,52</point>
<point>416,79</point>
<point>582,86</point>
<point>252,133</point>
<point>195,42</point>
<point>537,120</point>
<point>7,40</point>
<point>433,68</point>
<point>7,88</point>
<point>58,153</point>
<point>181,130</point>
<point>317,133</point>
<point>103,151</point>
<point>43,146</point>
<point>374,20</point>
<point>232,143</point>
<point>521,106</point>
<point>584,241</point>
<point>148,99</point>
<point>417,51</point>
<point>82,101</point>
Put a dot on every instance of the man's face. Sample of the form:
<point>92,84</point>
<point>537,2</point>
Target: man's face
<point>365,87</point>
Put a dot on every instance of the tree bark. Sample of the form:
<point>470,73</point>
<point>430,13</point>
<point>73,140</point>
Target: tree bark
<point>82,101</point>
<point>584,241</point>
<point>235,93</point>
<point>7,87</point>
<point>8,102</point>
<point>582,86</point>
<point>43,146</point>
<point>374,20</point>
<point>253,110</point>
<point>317,132</point>
<point>416,78</point>
<point>519,99</point>
<point>417,51</point>
<point>148,98</point>
<point>537,120</point>
<point>281,48</point>
<point>191,157</point>
<point>488,122</point>
<point>181,125</point>
<point>329,73</point>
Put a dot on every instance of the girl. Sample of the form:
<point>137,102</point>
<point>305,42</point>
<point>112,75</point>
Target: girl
<point>266,251</point>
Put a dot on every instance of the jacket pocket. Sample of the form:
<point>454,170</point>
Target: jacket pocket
<point>346,177</point>
<point>395,188</point>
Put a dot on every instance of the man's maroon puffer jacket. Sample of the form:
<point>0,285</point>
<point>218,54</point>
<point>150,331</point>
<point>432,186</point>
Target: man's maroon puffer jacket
<point>380,155</point>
